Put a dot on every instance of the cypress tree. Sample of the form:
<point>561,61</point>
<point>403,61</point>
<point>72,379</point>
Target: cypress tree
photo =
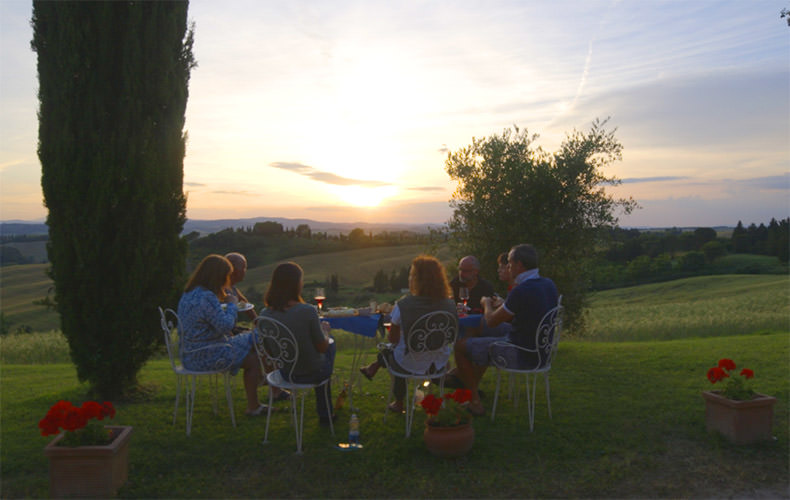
<point>113,80</point>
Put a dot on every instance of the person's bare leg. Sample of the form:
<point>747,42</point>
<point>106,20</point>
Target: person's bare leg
<point>470,374</point>
<point>252,376</point>
<point>371,370</point>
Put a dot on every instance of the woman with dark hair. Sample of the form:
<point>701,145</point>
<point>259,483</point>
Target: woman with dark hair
<point>207,343</point>
<point>316,361</point>
<point>429,291</point>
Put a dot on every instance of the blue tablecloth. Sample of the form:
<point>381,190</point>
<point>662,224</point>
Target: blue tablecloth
<point>367,326</point>
<point>360,325</point>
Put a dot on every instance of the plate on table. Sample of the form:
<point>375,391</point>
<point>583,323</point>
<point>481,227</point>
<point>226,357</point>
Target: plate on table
<point>241,306</point>
<point>340,312</point>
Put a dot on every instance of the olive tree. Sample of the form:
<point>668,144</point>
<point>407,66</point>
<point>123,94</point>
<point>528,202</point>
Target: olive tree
<point>113,80</point>
<point>511,192</point>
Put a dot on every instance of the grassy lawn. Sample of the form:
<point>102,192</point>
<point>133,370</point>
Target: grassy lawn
<point>628,422</point>
<point>704,306</point>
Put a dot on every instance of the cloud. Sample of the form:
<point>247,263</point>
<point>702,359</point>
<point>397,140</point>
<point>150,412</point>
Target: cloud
<point>426,188</point>
<point>444,149</point>
<point>772,182</point>
<point>235,193</point>
<point>325,177</point>
<point>635,180</point>
<point>194,184</point>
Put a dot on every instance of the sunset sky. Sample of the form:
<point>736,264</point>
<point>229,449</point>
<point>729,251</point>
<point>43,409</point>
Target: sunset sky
<point>345,110</point>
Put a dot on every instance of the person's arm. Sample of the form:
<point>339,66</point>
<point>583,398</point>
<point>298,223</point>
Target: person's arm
<point>394,334</point>
<point>494,314</point>
<point>318,333</point>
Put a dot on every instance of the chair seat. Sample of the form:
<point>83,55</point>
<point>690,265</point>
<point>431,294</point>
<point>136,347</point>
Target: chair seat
<point>276,379</point>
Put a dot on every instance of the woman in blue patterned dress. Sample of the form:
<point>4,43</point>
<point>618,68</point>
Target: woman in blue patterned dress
<point>206,342</point>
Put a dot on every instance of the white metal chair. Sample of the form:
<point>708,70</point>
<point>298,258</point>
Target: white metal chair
<point>428,339</point>
<point>170,322</point>
<point>277,343</point>
<point>547,338</point>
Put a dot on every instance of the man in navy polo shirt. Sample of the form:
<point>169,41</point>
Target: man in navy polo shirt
<point>529,300</point>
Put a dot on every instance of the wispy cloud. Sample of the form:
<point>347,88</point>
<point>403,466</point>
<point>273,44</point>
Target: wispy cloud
<point>235,193</point>
<point>426,188</point>
<point>772,182</point>
<point>635,180</point>
<point>194,184</point>
<point>325,177</point>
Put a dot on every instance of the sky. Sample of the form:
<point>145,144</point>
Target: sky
<point>345,111</point>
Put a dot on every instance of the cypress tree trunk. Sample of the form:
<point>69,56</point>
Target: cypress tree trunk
<point>113,80</point>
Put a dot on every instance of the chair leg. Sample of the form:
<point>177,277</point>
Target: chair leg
<point>326,397</point>
<point>190,402</point>
<point>269,413</point>
<point>213,382</point>
<point>548,399</point>
<point>178,396</point>
<point>496,393</point>
<point>391,396</point>
<point>229,397</point>
<point>411,403</point>
<point>300,427</point>
<point>531,399</point>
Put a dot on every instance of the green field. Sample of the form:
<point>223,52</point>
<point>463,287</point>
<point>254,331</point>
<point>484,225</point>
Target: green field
<point>20,285</point>
<point>706,306</point>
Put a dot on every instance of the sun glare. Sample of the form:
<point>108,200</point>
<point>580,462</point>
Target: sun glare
<point>363,197</point>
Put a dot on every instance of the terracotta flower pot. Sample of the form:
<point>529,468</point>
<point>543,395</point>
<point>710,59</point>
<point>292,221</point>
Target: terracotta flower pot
<point>89,471</point>
<point>742,422</point>
<point>449,442</point>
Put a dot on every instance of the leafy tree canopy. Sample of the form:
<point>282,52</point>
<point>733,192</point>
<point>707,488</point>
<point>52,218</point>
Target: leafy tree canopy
<point>511,192</point>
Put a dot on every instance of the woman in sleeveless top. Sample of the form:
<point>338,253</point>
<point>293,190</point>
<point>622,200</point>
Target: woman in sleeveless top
<point>429,291</point>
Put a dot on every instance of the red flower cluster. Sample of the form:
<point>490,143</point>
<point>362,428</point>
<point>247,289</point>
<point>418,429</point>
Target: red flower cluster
<point>69,417</point>
<point>433,405</point>
<point>734,388</point>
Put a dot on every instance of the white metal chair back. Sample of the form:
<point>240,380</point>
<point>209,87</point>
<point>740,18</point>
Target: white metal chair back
<point>547,338</point>
<point>277,344</point>
<point>171,324</point>
<point>275,341</point>
<point>428,341</point>
<point>431,333</point>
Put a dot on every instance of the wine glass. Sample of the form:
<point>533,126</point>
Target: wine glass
<point>320,297</point>
<point>463,294</point>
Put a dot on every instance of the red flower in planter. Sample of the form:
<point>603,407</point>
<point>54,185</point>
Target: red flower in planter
<point>715,374</point>
<point>78,421</point>
<point>727,364</point>
<point>734,387</point>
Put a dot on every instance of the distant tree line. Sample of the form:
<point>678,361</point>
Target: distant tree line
<point>631,256</point>
<point>269,241</point>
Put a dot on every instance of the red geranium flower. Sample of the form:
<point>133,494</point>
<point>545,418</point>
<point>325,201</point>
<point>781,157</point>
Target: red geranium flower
<point>92,409</point>
<point>727,364</point>
<point>715,374</point>
<point>431,404</point>
<point>747,373</point>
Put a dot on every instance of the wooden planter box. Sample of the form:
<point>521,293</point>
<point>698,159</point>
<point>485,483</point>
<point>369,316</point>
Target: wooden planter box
<point>89,471</point>
<point>742,422</point>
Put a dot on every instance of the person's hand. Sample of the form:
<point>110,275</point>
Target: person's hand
<point>326,327</point>
<point>231,299</point>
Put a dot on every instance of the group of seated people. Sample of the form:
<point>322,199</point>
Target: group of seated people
<point>210,341</point>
